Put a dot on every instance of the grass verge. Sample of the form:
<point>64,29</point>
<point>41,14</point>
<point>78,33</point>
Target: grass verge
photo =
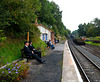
<point>95,44</point>
<point>10,49</point>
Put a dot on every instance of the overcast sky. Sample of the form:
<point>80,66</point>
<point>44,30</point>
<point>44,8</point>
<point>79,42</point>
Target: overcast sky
<point>78,11</point>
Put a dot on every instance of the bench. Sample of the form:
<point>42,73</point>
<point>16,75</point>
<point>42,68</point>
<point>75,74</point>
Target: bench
<point>24,56</point>
<point>27,57</point>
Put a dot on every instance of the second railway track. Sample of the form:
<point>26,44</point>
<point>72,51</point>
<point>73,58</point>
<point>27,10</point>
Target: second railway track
<point>90,70</point>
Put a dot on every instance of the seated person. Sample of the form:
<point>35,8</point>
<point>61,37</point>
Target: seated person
<point>32,48</point>
<point>52,46</point>
<point>28,52</point>
<point>48,45</point>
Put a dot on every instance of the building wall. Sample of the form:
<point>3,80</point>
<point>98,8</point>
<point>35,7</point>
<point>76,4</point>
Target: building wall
<point>44,31</point>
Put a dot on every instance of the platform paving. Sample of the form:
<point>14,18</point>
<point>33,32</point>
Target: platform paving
<point>59,67</point>
<point>59,47</point>
<point>51,70</point>
<point>70,72</point>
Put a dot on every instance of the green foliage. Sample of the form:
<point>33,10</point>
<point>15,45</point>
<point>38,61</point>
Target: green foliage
<point>10,50</point>
<point>81,30</point>
<point>45,14</point>
<point>52,16</point>
<point>94,38</point>
<point>16,15</point>
<point>55,29</point>
<point>91,32</point>
<point>35,38</point>
<point>40,45</point>
<point>2,36</point>
<point>91,29</point>
<point>75,33</point>
<point>97,38</point>
<point>95,44</point>
<point>65,33</point>
<point>14,72</point>
<point>34,31</point>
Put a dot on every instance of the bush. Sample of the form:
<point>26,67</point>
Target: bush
<point>40,45</point>
<point>15,71</point>
<point>2,36</point>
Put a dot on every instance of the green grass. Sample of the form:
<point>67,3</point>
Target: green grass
<point>10,50</point>
<point>96,44</point>
<point>94,38</point>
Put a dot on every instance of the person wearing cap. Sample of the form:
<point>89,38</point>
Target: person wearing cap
<point>33,49</point>
<point>29,52</point>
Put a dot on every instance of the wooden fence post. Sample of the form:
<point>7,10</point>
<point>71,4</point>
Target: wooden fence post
<point>27,36</point>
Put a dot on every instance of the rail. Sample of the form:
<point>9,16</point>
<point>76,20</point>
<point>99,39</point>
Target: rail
<point>79,63</point>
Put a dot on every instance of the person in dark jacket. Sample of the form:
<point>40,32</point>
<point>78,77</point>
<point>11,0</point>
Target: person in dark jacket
<point>48,45</point>
<point>33,49</point>
<point>29,52</point>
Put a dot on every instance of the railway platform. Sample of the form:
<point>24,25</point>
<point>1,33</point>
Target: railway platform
<point>70,72</point>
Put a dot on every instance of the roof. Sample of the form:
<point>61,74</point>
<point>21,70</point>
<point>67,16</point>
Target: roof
<point>45,27</point>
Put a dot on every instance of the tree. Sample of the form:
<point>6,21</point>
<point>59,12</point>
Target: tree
<point>87,29</point>
<point>52,16</point>
<point>75,33</point>
<point>91,32</point>
<point>17,15</point>
<point>81,30</point>
<point>54,28</point>
<point>97,25</point>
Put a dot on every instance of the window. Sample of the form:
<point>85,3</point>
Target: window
<point>43,37</point>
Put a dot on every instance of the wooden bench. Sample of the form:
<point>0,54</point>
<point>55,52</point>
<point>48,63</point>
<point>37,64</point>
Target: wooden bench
<point>24,56</point>
<point>27,57</point>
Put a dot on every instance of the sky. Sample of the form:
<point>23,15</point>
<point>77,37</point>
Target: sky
<point>76,12</point>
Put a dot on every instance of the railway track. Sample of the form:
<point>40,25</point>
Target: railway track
<point>93,51</point>
<point>89,68</point>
